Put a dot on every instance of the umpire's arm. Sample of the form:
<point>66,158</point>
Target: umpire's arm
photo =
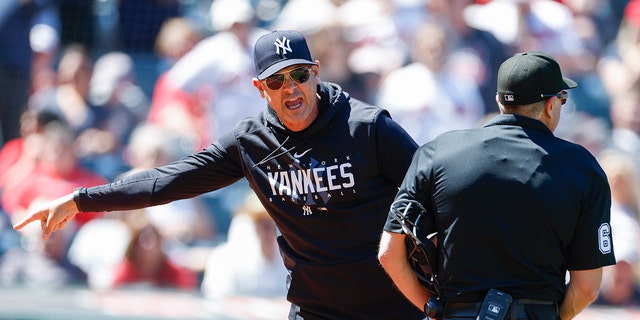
<point>393,258</point>
<point>581,291</point>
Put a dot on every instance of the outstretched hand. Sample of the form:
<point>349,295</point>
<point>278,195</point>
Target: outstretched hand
<point>53,216</point>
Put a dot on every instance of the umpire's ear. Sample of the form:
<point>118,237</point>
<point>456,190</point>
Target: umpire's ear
<point>550,115</point>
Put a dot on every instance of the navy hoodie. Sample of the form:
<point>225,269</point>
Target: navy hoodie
<point>328,188</point>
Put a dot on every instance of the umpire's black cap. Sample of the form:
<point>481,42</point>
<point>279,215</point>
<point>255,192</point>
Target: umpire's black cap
<point>528,77</point>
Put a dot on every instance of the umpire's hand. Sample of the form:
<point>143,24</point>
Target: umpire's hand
<point>53,216</point>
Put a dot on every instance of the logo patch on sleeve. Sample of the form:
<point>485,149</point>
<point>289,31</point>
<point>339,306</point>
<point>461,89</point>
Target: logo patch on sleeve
<point>604,238</point>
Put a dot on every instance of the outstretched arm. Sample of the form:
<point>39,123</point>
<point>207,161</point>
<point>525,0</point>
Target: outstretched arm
<point>581,291</point>
<point>53,215</point>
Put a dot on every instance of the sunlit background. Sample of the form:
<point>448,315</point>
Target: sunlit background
<point>92,90</point>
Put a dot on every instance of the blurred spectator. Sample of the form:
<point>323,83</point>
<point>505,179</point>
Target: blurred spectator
<point>427,97</point>
<point>407,14</point>
<point>365,22</point>
<point>372,63</point>
<point>248,263</point>
<point>40,264</point>
<point>19,156</point>
<point>596,22</point>
<point>619,66</point>
<point>188,226</point>
<point>146,264</point>
<point>625,117</point>
<point>9,238</point>
<point>582,128</point>
<point>477,52</point>
<point>114,86</point>
<point>324,13</point>
<point>185,226</point>
<point>549,26</point>
<point>56,173</point>
<point>209,89</point>
<point>624,179</point>
<point>120,104</point>
<point>379,33</point>
<point>620,286</point>
<point>137,27</point>
<point>151,146</point>
<point>177,36</point>
<point>330,46</point>
<point>99,246</point>
<point>545,25</point>
<point>69,98</point>
<point>29,38</point>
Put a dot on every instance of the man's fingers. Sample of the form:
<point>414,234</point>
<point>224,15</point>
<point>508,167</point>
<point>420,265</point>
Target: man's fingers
<point>46,224</point>
<point>53,217</point>
<point>34,217</point>
<point>51,226</point>
<point>60,225</point>
<point>43,223</point>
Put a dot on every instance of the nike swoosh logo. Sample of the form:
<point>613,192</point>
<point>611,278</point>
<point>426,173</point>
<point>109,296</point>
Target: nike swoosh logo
<point>296,155</point>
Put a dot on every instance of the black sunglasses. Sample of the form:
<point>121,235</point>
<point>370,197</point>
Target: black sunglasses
<point>563,96</point>
<point>299,75</point>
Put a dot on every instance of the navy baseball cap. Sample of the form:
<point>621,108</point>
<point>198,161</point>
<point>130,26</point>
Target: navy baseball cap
<point>527,77</point>
<point>279,49</point>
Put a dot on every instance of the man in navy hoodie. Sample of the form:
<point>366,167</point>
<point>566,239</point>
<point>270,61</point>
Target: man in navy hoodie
<point>325,166</point>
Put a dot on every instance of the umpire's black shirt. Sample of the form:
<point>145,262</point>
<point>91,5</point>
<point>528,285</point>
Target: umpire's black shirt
<point>515,208</point>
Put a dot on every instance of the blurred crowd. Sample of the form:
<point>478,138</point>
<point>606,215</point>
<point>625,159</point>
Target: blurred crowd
<point>95,90</point>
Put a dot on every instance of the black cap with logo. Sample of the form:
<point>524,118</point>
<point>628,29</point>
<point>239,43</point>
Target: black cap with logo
<point>279,49</point>
<point>529,77</point>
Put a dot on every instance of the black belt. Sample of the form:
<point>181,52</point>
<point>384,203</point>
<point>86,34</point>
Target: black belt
<point>471,309</point>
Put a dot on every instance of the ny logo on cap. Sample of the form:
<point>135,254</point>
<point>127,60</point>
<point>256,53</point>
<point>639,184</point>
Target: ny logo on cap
<point>509,97</point>
<point>282,44</point>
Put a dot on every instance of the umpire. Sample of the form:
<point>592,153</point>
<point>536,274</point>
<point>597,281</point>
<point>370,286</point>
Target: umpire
<point>514,208</point>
